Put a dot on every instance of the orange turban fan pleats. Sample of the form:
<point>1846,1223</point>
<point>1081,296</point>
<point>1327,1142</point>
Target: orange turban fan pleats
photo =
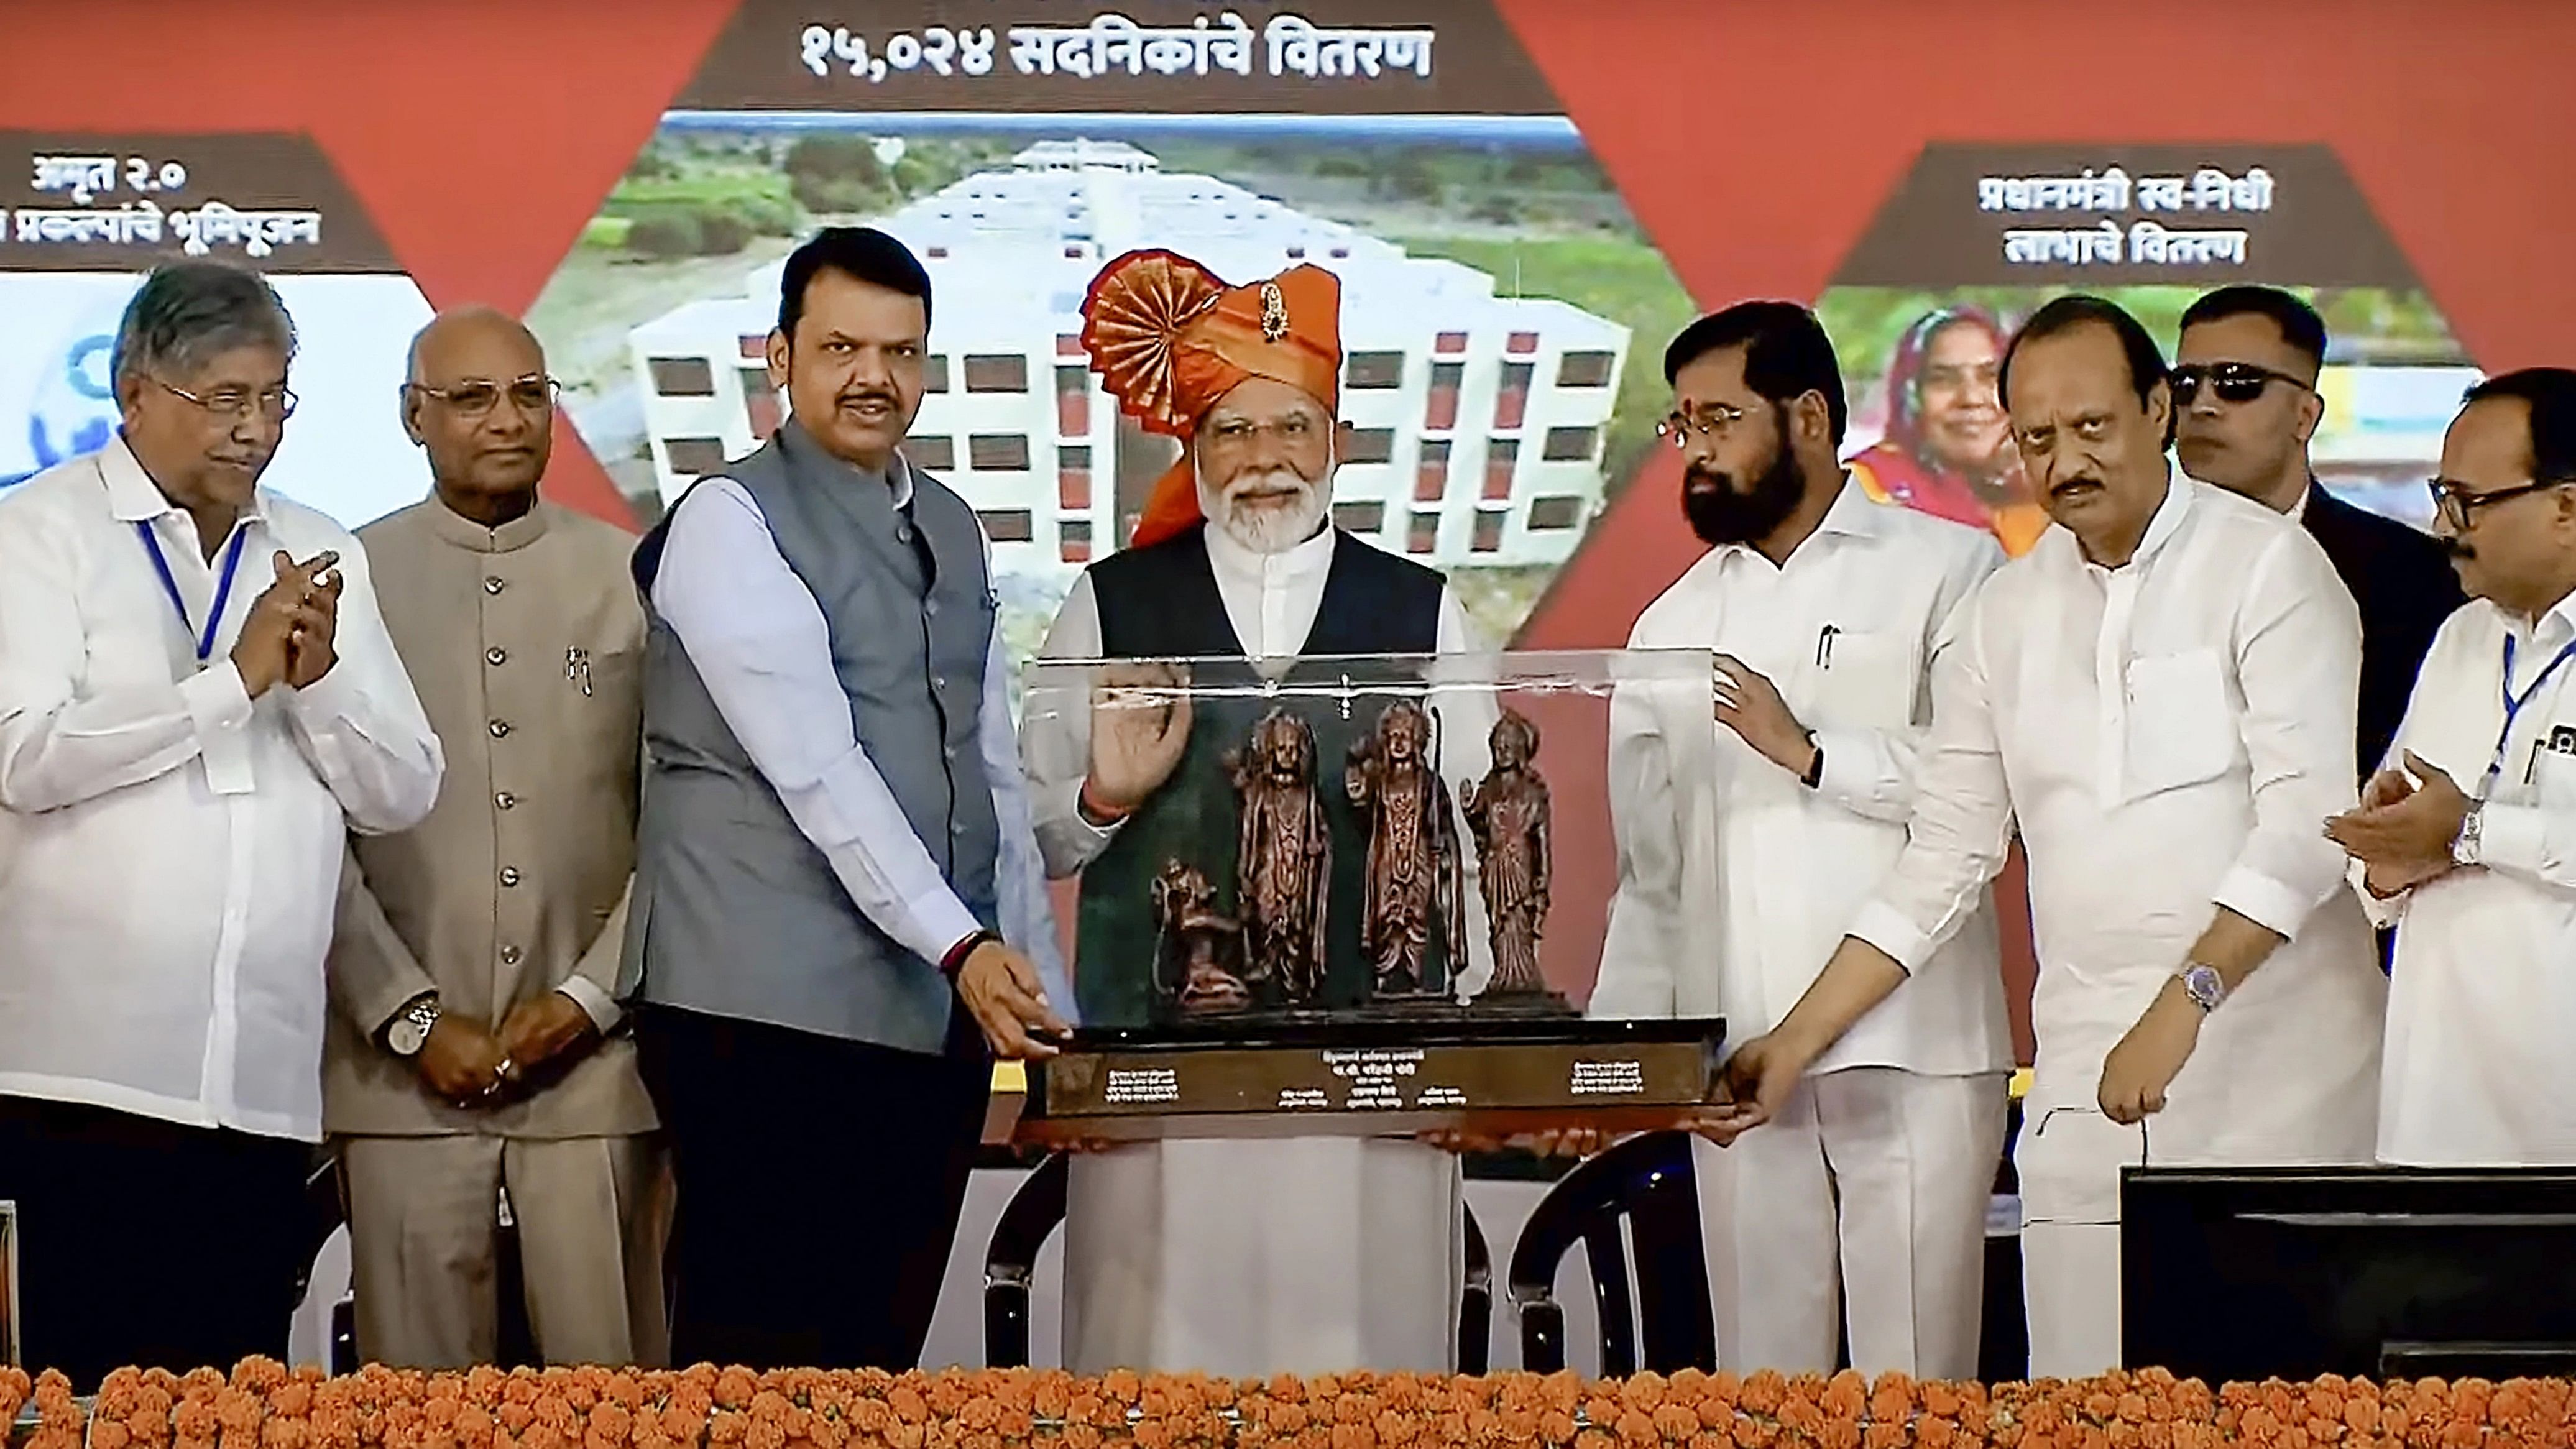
<point>1168,339</point>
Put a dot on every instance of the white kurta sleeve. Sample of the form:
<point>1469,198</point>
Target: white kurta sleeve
<point>1962,821</point>
<point>1055,737</point>
<point>361,726</point>
<point>764,651</point>
<point>64,740</point>
<point>1019,876</point>
<point>2298,665</point>
<point>1639,946</point>
<point>2532,843</point>
<point>1871,772</point>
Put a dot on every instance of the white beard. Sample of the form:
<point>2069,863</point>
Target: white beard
<point>1270,527</point>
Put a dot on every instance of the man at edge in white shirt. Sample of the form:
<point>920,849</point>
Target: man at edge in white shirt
<point>198,700</point>
<point>2466,838</point>
<point>1747,843</point>
<point>2161,694</point>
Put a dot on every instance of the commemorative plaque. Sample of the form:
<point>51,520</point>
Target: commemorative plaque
<point>1350,895</point>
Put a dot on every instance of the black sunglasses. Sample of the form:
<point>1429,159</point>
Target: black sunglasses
<point>2232,382</point>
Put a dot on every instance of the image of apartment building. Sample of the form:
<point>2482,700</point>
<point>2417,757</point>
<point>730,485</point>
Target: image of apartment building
<point>1477,419</point>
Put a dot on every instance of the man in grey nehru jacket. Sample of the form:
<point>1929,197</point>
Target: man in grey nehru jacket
<point>839,914</point>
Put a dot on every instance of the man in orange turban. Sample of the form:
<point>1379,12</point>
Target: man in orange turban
<point>1242,1258</point>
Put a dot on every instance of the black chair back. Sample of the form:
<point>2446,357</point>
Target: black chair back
<point>1010,1262</point>
<point>1642,1192</point>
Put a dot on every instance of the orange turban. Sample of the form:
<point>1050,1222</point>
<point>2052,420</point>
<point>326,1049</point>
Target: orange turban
<point>1168,339</point>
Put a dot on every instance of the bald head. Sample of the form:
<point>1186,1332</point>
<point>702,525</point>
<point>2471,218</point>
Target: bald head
<point>455,339</point>
<point>478,401</point>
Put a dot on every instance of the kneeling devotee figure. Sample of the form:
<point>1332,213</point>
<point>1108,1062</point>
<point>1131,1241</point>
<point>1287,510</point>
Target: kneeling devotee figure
<point>1233,1257</point>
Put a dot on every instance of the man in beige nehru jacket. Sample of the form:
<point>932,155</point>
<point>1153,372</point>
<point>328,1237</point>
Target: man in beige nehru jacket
<point>474,1064</point>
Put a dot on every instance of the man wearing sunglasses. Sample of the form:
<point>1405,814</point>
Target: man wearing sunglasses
<point>474,1050</point>
<point>2246,405</point>
<point>2467,841</point>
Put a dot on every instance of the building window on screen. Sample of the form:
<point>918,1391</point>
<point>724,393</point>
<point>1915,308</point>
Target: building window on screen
<point>682,376</point>
<point>998,453</point>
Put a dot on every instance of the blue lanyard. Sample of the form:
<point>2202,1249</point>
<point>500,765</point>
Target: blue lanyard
<point>223,589</point>
<point>2513,706</point>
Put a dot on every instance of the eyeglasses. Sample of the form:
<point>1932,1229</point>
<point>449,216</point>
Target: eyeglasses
<point>1708,420</point>
<point>1293,430</point>
<point>238,403</point>
<point>2231,382</point>
<point>474,397</point>
<point>2458,504</point>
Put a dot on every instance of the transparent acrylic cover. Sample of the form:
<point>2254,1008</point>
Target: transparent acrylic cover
<point>1360,837</point>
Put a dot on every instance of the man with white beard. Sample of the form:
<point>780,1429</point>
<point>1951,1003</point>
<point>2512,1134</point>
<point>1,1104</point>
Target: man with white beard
<point>1231,1257</point>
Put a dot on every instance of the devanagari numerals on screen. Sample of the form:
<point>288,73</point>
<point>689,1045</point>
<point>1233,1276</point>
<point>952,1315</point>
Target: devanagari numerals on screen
<point>1113,44</point>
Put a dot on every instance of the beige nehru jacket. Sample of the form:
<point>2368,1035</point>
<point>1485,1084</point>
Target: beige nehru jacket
<point>525,645</point>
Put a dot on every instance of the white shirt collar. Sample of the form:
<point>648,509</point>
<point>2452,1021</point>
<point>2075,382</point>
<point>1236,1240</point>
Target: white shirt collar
<point>1850,515</point>
<point>132,496</point>
<point>1230,557</point>
<point>2160,529</point>
<point>2558,623</point>
<point>2299,510</point>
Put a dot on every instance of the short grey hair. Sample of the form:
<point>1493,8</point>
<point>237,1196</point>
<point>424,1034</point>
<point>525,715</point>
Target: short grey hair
<point>188,312</point>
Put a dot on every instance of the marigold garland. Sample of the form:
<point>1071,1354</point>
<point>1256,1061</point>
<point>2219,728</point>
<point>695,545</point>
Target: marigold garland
<point>262,1405</point>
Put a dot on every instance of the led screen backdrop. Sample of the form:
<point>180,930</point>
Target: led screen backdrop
<point>1525,197</point>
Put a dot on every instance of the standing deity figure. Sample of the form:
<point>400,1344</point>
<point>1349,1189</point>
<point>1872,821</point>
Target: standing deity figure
<point>1507,812</point>
<point>1284,856</point>
<point>1414,871</point>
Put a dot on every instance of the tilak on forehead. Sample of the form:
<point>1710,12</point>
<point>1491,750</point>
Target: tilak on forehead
<point>1168,340</point>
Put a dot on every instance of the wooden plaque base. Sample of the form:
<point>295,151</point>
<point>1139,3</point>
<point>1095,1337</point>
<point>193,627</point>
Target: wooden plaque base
<point>1370,1078</point>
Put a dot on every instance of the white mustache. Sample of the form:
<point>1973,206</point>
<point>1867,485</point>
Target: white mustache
<point>1271,481</point>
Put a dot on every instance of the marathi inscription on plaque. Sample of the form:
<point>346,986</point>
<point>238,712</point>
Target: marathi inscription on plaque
<point>1622,1078</point>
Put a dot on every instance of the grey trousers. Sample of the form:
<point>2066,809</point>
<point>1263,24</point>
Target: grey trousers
<point>591,1215</point>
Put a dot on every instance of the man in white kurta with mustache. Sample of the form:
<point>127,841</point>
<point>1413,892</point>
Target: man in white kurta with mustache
<point>2161,695</point>
<point>1230,1257</point>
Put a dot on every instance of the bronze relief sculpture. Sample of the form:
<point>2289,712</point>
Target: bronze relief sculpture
<point>1415,874</point>
<point>1198,951</point>
<point>1507,812</point>
<point>1284,857</point>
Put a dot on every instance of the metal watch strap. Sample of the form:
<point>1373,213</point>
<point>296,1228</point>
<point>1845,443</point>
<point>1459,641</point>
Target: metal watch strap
<point>2464,846</point>
<point>421,1015</point>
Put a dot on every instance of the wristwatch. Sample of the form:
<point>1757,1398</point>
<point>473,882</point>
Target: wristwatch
<point>407,1033</point>
<point>2204,986</point>
<point>2464,846</point>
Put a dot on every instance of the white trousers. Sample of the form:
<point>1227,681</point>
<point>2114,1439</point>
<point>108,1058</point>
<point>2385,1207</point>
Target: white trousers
<point>1863,1202</point>
<point>1253,1257</point>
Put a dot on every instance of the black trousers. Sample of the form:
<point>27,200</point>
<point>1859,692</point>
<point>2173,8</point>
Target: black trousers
<point>147,1243</point>
<point>819,1182</point>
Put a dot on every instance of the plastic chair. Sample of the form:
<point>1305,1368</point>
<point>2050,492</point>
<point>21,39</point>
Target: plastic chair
<point>1010,1262</point>
<point>1665,1324</point>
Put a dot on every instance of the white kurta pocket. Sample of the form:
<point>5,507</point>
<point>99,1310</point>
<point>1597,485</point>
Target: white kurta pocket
<point>2179,728</point>
<point>2069,1161</point>
<point>1863,680</point>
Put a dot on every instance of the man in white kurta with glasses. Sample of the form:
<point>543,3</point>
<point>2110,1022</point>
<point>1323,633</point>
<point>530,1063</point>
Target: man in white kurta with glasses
<point>2161,695</point>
